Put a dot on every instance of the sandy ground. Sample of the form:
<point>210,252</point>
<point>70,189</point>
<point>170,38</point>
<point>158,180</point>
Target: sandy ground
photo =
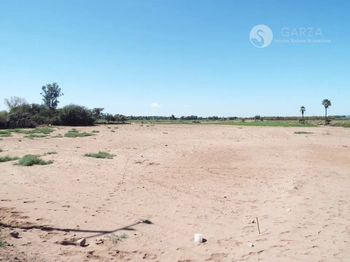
<point>186,179</point>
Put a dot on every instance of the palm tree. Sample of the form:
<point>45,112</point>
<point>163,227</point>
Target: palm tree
<point>326,103</point>
<point>302,110</point>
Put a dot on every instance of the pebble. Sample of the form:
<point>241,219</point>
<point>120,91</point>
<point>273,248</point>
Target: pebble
<point>15,234</point>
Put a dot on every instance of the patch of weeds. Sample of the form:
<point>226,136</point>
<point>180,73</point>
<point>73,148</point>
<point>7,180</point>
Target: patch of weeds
<point>8,158</point>
<point>5,133</point>
<point>31,160</point>
<point>95,131</point>
<point>1,150</point>
<point>115,238</point>
<point>32,136</point>
<point>113,131</point>
<point>302,133</point>
<point>19,140</point>
<point>146,221</point>
<point>100,155</point>
<point>57,136</point>
<point>76,133</point>
<point>43,130</point>
<point>108,127</point>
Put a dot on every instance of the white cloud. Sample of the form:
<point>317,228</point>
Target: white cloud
<point>155,105</point>
<point>186,105</point>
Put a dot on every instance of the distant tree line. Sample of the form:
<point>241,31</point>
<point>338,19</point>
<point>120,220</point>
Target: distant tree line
<point>255,118</point>
<point>23,114</point>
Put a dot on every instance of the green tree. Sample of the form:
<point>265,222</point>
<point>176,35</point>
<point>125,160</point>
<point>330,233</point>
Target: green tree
<point>326,103</point>
<point>75,115</point>
<point>302,110</point>
<point>51,93</point>
<point>110,118</point>
<point>120,118</point>
<point>3,114</point>
<point>97,112</point>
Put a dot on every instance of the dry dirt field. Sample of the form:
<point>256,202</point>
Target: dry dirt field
<point>185,179</point>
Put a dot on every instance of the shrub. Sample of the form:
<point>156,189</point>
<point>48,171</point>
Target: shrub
<point>7,158</point>
<point>75,133</point>
<point>75,115</point>
<point>100,155</point>
<point>30,160</point>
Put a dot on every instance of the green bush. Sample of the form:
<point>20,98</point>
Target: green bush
<point>100,155</point>
<point>31,160</point>
<point>75,133</point>
<point>7,158</point>
<point>75,115</point>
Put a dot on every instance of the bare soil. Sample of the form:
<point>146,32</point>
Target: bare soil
<point>185,179</point>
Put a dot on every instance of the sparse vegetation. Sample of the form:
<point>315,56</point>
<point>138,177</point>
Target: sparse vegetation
<point>1,150</point>
<point>43,130</point>
<point>37,132</point>
<point>7,158</point>
<point>95,131</point>
<point>276,124</point>
<point>76,133</point>
<point>302,133</point>
<point>100,155</point>
<point>5,133</point>
<point>115,238</point>
<point>32,136</point>
<point>113,131</point>
<point>31,160</point>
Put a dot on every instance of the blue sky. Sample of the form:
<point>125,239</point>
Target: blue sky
<point>181,57</point>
